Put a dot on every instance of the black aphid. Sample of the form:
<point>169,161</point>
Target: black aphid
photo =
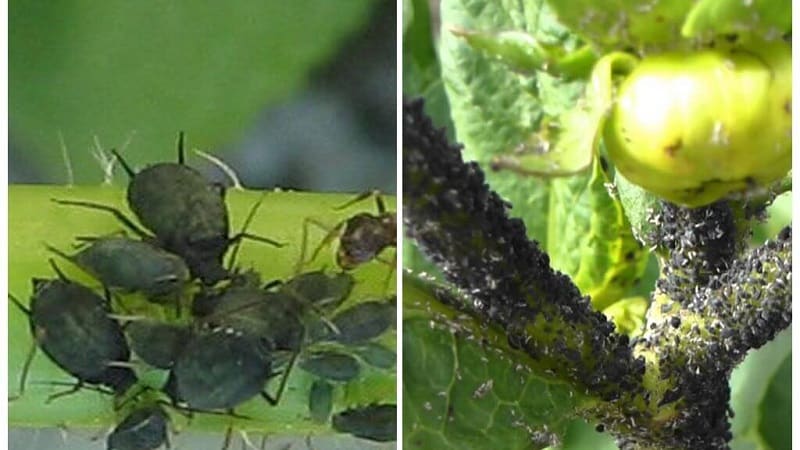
<point>320,401</point>
<point>131,265</point>
<point>362,237</point>
<point>220,370</point>
<point>377,355</point>
<point>156,343</point>
<point>332,366</point>
<point>143,429</point>
<point>374,422</point>
<point>71,324</point>
<point>186,212</point>
<point>359,323</point>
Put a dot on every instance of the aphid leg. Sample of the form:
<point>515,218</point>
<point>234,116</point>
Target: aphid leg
<point>362,196</point>
<point>392,268</point>
<point>274,401</point>
<point>75,388</point>
<point>332,233</point>
<point>23,378</point>
<point>238,241</point>
<point>117,214</point>
<point>226,443</point>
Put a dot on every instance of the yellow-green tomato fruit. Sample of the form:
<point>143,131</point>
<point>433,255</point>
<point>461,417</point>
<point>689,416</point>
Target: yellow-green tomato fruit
<point>694,127</point>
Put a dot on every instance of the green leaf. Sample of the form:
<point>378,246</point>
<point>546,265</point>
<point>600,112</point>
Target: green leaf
<point>110,69</point>
<point>585,231</point>
<point>622,24</point>
<point>462,384</point>
<point>776,408</point>
<point>767,18</point>
<point>758,395</point>
<point>590,238</point>
<point>35,220</point>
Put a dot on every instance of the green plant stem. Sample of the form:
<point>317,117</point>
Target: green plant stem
<point>34,220</point>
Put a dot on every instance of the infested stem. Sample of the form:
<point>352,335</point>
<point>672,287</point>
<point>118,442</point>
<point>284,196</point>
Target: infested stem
<point>713,303</point>
<point>35,222</point>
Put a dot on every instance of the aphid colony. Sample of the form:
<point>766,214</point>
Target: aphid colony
<point>238,333</point>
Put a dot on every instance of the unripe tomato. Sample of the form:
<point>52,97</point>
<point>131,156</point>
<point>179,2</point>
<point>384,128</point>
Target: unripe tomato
<point>694,127</point>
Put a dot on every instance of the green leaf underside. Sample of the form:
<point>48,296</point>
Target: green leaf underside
<point>86,70</point>
<point>34,220</point>
<point>463,389</point>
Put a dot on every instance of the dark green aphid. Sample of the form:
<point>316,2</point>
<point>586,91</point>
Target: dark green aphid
<point>143,429</point>
<point>359,323</point>
<point>131,265</point>
<point>320,289</point>
<point>377,355</point>
<point>374,422</point>
<point>320,401</point>
<point>185,211</point>
<point>71,324</point>
<point>271,316</point>
<point>332,366</point>
<point>156,343</point>
<point>362,237</point>
<point>220,370</point>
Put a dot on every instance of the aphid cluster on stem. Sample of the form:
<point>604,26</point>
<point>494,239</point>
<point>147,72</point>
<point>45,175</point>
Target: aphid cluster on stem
<point>666,389</point>
<point>236,334</point>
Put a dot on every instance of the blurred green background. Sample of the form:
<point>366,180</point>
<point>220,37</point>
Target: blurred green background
<point>294,94</point>
<point>297,95</point>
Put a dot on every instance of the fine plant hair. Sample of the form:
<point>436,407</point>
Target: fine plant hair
<point>667,388</point>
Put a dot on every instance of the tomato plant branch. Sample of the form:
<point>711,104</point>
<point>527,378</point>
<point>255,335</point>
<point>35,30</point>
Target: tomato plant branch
<point>713,303</point>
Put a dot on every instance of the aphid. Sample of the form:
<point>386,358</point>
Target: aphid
<point>143,429</point>
<point>374,422</point>
<point>131,265</point>
<point>71,324</point>
<point>319,289</point>
<point>359,323</point>
<point>220,370</point>
<point>185,211</point>
<point>320,401</point>
<point>332,366</point>
<point>377,355</point>
<point>157,344</point>
<point>272,316</point>
<point>362,237</point>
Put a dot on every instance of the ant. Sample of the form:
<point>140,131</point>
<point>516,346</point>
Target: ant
<point>362,237</point>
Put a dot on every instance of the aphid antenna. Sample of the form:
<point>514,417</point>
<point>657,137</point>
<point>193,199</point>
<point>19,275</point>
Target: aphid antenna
<point>226,169</point>
<point>72,385</point>
<point>19,304</point>
<point>58,252</point>
<point>131,173</point>
<point>181,149</point>
<point>58,271</point>
<point>115,212</point>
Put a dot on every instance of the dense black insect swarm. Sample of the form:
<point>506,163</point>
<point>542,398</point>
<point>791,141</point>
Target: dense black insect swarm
<point>464,228</point>
<point>726,302</point>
